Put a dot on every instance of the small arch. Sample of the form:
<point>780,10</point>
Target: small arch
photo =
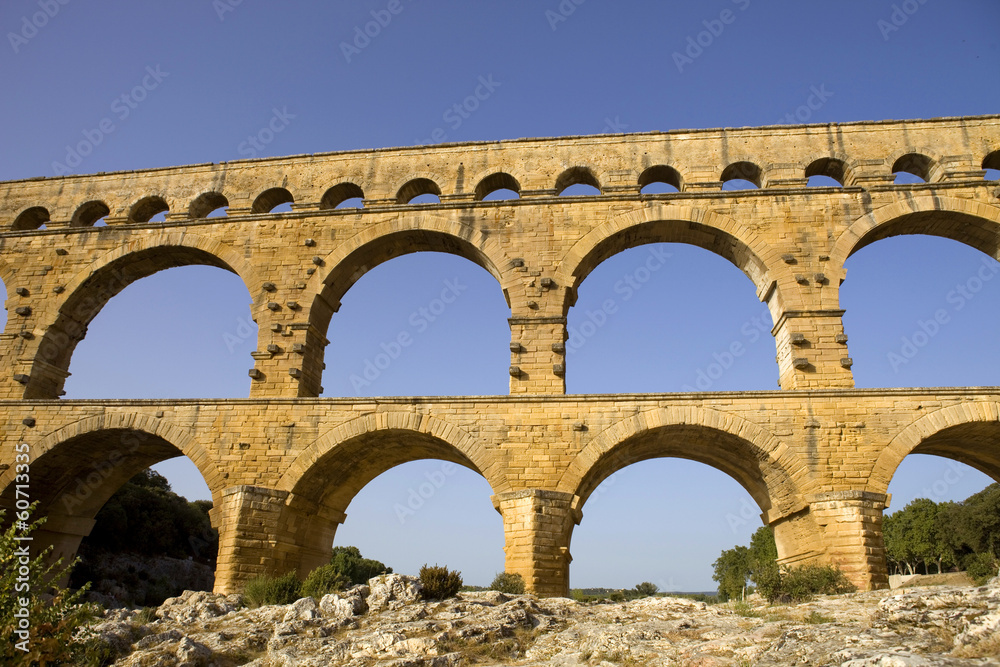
<point>418,187</point>
<point>660,174</point>
<point>268,200</point>
<point>991,163</point>
<point>577,176</point>
<point>89,213</point>
<point>206,204</point>
<point>742,175</point>
<point>916,165</point>
<point>32,218</point>
<point>147,208</point>
<point>495,183</point>
<point>340,196</point>
<point>827,171</point>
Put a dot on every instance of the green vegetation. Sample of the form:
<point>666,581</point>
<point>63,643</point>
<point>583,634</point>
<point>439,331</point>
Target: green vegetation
<point>925,535</point>
<point>508,583</point>
<point>347,567</point>
<point>357,569</point>
<point>646,589</point>
<point>51,614</point>
<point>265,590</point>
<point>323,580</point>
<point>439,583</point>
<point>758,563</point>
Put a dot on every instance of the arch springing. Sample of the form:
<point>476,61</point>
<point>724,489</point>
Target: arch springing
<point>655,177</point>
<point>418,187</point>
<point>341,196</point>
<point>495,183</point>
<point>31,218</point>
<point>268,200</point>
<point>206,204</point>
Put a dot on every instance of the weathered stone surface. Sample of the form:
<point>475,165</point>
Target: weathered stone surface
<point>817,456</point>
<point>391,591</point>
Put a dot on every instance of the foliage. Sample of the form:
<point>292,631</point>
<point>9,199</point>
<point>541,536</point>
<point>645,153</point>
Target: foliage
<point>146,517</point>
<point>324,579</point>
<point>801,583</point>
<point>646,589</point>
<point>508,583</point>
<point>439,583</point>
<point>736,566</point>
<point>349,562</point>
<point>265,590</point>
<point>981,567</point>
<point>54,614</point>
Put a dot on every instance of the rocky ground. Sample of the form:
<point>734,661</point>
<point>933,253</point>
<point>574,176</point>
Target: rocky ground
<point>385,624</point>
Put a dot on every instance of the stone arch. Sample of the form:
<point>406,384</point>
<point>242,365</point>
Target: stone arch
<point>90,289</point>
<point>267,200</point>
<point>325,477</point>
<point>147,207</point>
<point>992,160</point>
<point>974,223</point>
<point>660,223</point>
<point>499,180</point>
<point>744,170</point>
<point>968,433</point>
<point>205,203</point>
<point>920,162</point>
<point>661,173</point>
<point>748,453</point>
<point>340,193</point>
<point>31,218</point>
<point>88,213</point>
<point>578,175</point>
<point>836,166</point>
<point>416,187</point>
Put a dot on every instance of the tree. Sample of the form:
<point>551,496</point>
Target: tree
<point>355,567</point>
<point>646,589</point>
<point>732,569</point>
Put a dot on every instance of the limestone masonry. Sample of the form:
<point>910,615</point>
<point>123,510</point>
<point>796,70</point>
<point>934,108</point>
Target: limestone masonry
<point>283,465</point>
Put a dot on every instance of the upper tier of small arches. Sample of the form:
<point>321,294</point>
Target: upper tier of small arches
<point>499,184</point>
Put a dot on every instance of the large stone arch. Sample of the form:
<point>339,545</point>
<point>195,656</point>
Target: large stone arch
<point>324,478</point>
<point>90,290</point>
<point>968,433</point>
<point>656,223</point>
<point>748,453</point>
<point>976,224</point>
<point>77,468</point>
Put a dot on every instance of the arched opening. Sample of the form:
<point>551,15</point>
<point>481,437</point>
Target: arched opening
<point>660,179</point>
<point>409,497</point>
<point>208,343</point>
<point>148,209</point>
<point>31,218</point>
<point>209,205</point>
<point>991,163</point>
<point>912,168</point>
<point>741,176</point>
<point>498,187</point>
<point>344,195</point>
<point>624,485</point>
<point>184,332</point>
<point>944,500</point>
<point>826,172</point>
<point>914,327</point>
<point>577,182</point>
<point>274,200</point>
<point>139,544</point>
<point>440,329</point>
<point>89,214</point>
<point>419,191</point>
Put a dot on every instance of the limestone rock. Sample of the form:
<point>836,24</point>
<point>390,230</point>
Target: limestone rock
<point>391,591</point>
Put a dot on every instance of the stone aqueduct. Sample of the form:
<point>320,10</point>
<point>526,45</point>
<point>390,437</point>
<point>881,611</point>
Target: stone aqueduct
<point>283,465</point>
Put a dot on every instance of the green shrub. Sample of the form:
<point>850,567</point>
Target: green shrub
<point>981,567</point>
<point>324,579</point>
<point>356,568</point>
<point>264,590</point>
<point>646,589</point>
<point>439,583</point>
<point>801,583</point>
<point>508,583</point>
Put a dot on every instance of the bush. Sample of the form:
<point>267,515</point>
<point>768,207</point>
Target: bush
<point>508,583</point>
<point>54,621</point>
<point>646,589</point>
<point>349,562</point>
<point>324,579</point>
<point>981,567</point>
<point>801,583</point>
<point>264,590</point>
<point>439,583</point>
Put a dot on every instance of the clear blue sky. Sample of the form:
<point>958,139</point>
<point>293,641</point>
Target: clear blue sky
<point>609,66</point>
